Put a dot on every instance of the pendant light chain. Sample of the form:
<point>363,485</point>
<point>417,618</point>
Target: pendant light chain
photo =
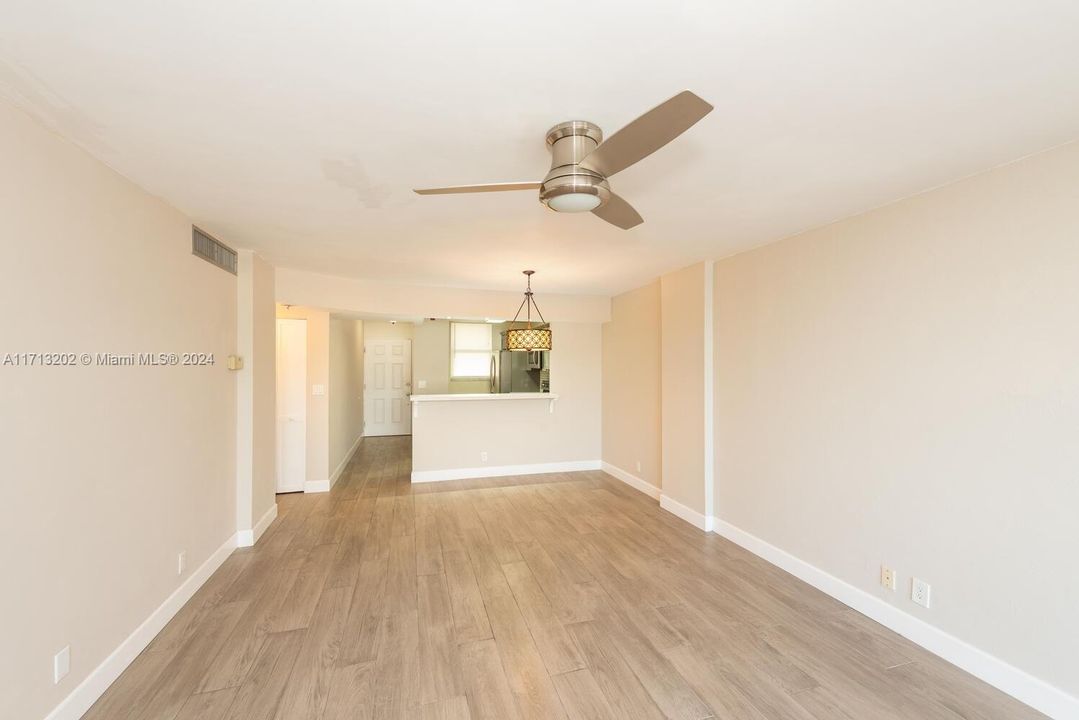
<point>532,300</point>
<point>528,338</point>
<point>528,303</point>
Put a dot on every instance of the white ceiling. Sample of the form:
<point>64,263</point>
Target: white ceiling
<point>298,128</point>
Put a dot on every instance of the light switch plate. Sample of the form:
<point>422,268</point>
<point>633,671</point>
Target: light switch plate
<point>318,389</point>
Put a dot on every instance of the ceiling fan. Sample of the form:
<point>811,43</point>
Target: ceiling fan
<point>581,161</point>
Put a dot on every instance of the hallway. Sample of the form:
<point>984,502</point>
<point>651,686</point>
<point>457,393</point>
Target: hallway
<point>547,596</point>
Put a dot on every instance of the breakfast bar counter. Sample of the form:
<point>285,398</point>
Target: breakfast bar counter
<point>474,435</point>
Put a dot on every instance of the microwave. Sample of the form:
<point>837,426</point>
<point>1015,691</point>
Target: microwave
<point>535,360</point>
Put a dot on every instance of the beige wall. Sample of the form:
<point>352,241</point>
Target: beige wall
<point>256,457</point>
<point>107,472</point>
<point>264,357</point>
<point>450,435</point>
<point>632,431</point>
<point>379,330</point>
<point>903,388</point>
<point>398,300</point>
<point>345,390</point>
<point>431,361</point>
<point>682,365</point>
<point>431,357</point>
<point>318,373</point>
<point>469,386</point>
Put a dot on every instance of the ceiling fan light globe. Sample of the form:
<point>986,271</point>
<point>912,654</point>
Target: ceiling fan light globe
<point>568,191</point>
<point>574,202</point>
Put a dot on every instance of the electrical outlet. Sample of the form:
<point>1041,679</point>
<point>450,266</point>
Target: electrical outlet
<point>919,592</point>
<point>483,456</point>
<point>638,466</point>
<point>61,664</point>
<point>887,577</point>
<point>181,563</point>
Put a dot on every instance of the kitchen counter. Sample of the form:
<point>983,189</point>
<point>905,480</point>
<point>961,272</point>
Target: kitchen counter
<point>471,435</point>
<point>455,397</point>
<point>473,397</point>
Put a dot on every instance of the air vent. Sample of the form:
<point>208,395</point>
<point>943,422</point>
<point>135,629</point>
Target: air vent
<point>213,251</point>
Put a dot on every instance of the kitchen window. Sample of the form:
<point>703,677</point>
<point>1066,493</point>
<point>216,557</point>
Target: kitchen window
<point>470,351</point>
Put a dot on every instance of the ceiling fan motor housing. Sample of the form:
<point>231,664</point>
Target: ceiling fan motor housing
<point>570,142</point>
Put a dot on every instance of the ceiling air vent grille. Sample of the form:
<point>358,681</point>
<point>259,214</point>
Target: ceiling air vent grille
<point>213,251</point>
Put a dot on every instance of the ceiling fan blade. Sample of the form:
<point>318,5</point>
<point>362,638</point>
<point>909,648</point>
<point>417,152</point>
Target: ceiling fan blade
<point>489,187</point>
<point>618,212</point>
<point>646,134</point>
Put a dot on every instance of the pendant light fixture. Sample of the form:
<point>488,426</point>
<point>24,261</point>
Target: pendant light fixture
<point>529,338</point>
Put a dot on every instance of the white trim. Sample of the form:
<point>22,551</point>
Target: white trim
<point>247,538</point>
<point>321,486</point>
<point>97,682</point>
<point>426,476</point>
<point>1026,688</point>
<point>316,486</point>
<point>691,516</point>
<point>632,480</point>
<point>344,463</point>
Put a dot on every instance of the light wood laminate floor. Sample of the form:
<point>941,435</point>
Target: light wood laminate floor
<point>556,596</point>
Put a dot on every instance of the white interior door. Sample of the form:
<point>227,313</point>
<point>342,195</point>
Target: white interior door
<point>387,383</point>
<point>291,405</point>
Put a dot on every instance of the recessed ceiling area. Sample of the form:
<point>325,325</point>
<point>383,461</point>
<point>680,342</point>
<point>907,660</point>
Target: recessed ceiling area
<point>299,129</point>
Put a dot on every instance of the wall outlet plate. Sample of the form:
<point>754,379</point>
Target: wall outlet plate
<point>483,456</point>
<point>61,664</point>
<point>887,577</point>
<point>181,563</point>
<point>919,592</point>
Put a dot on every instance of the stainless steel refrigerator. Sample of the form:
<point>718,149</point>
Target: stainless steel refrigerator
<point>518,371</point>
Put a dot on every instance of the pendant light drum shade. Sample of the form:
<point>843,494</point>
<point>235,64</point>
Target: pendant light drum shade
<point>528,338</point>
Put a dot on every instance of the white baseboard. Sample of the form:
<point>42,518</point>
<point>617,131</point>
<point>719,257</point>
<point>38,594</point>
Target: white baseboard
<point>247,538</point>
<point>344,463</point>
<point>632,480</point>
<point>317,486</point>
<point>691,516</point>
<point>426,476</point>
<point>1036,693</point>
<point>75,705</point>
